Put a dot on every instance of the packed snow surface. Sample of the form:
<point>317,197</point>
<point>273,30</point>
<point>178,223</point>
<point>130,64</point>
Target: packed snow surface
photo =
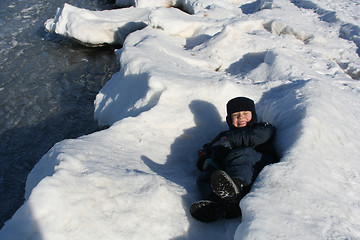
<point>299,61</point>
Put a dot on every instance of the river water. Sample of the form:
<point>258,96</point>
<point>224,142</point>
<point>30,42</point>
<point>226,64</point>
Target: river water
<point>47,87</point>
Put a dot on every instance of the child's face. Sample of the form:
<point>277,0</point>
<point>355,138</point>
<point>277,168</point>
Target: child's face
<point>240,119</point>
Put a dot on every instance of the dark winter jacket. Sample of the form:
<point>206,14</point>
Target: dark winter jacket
<point>259,137</point>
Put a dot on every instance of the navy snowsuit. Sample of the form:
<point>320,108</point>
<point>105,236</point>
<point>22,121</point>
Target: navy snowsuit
<point>241,152</point>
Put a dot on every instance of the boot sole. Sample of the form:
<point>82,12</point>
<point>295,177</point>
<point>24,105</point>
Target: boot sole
<point>223,186</point>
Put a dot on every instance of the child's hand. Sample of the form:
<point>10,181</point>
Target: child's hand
<point>204,163</point>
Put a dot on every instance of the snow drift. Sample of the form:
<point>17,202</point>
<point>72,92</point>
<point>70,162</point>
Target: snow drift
<point>136,179</point>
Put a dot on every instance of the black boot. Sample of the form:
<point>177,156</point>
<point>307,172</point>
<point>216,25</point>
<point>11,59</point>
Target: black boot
<point>223,186</point>
<point>205,211</point>
<point>230,191</point>
<point>232,208</point>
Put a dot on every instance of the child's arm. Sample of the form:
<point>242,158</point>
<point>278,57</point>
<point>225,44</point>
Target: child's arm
<point>205,154</point>
<point>251,136</point>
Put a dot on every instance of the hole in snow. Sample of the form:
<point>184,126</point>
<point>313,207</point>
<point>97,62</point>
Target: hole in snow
<point>247,63</point>
<point>250,8</point>
<point>183,7</point>
<point>196,40</point>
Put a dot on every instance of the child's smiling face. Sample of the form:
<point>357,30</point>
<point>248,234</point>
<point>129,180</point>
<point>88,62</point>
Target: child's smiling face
<point>241,119</point>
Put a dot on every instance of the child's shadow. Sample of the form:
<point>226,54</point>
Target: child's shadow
<point>180,167</point>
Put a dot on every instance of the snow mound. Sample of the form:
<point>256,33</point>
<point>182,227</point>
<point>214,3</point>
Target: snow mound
<point>97,27</point>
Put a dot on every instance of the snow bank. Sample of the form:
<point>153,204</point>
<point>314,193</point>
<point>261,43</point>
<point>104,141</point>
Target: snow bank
<point>136,179</point>
<point>97,27</point>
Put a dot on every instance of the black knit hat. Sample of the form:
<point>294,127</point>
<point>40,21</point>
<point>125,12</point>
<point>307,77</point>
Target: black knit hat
<point>240,104</point>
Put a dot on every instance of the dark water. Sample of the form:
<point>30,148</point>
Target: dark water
<point>47,88</point>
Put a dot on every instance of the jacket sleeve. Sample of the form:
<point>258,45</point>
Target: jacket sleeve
<point>251,136</point>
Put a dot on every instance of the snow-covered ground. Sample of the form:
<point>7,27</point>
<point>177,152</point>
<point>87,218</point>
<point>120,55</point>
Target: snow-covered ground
<point>299,60</point>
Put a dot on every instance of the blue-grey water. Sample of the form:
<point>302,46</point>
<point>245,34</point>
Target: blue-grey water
<point>47,87</point>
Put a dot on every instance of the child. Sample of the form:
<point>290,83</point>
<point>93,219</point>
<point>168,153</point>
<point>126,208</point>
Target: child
<point>231,162</point>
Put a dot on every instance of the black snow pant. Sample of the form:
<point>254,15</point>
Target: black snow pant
<point>241,163</point>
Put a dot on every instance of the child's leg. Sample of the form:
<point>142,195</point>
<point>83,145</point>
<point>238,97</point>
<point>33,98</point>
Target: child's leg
<point>240,164</point>
<point>228,192</point>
